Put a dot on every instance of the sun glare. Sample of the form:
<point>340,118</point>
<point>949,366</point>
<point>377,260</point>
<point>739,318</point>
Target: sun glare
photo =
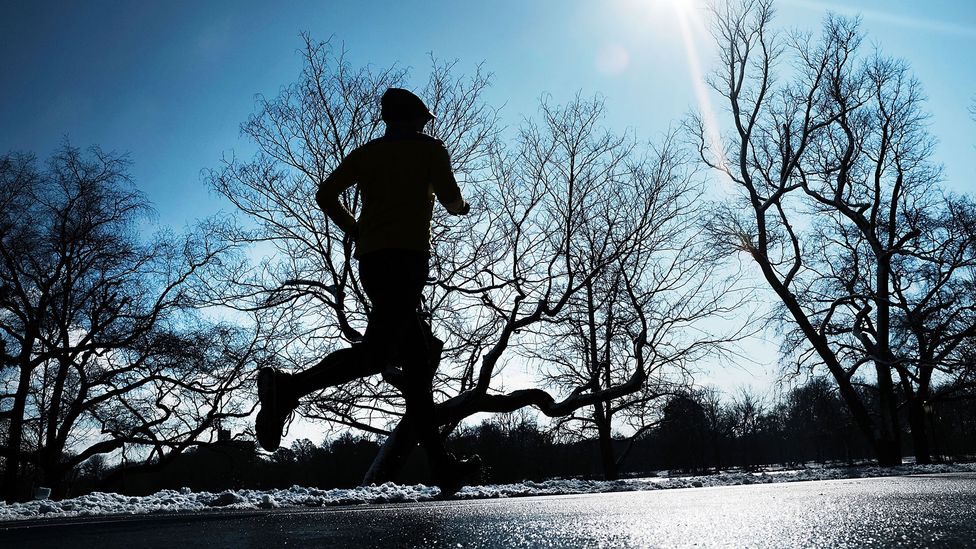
<point>689,23</point>
<point>682,19</point>
<point>673,35</point>
<point>678,4</point>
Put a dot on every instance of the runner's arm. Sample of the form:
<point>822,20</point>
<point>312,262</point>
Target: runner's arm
<point>445,185</point>
<point>328,193</point>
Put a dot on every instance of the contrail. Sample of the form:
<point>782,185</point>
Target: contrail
<point>932,25</point>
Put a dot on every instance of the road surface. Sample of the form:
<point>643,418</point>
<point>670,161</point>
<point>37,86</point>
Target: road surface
<point>916,511</point>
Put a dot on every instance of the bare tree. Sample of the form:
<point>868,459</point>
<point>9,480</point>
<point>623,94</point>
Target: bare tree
<point>639,205</point>
<point>100,345</point>
<point>556,214</point>
<point>773,131</point>
<point>934,316</point>
<point>832,168</point>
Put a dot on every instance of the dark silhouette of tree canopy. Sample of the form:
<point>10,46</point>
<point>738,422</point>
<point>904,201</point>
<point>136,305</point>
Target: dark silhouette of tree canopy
<point>684,432</point>
<point>101,348</point>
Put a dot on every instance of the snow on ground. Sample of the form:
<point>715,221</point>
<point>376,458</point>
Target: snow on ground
<point>185,500</point>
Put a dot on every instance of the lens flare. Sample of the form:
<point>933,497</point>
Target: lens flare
<point>688,21</point>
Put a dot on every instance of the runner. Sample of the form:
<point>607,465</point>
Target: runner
<point>398,176</point>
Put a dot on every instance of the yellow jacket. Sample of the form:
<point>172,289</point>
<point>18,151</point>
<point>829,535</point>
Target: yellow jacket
<point>398,176</point>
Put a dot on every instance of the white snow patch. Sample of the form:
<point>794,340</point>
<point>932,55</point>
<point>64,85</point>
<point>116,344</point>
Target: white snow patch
<point>185,500</point>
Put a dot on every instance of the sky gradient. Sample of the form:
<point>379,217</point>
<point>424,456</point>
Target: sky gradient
<point>170,82</point>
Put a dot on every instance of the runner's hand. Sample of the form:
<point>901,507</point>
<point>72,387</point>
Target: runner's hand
<point>464,209</point>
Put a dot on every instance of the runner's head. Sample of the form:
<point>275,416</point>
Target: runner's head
<point>401,108</point>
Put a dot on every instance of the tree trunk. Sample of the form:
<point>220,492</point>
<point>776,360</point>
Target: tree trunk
<point>607,457</point>
<point>919,419</point>
<point>888,436</point>
<point>920,435</point>
<point>889,428</point>
<point>12,483</point>
<point>52,472</point>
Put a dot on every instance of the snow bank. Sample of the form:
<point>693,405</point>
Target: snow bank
<point>184,500</point>
<point>560,486</point>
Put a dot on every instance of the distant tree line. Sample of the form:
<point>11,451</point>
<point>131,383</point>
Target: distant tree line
<point>701,432</point>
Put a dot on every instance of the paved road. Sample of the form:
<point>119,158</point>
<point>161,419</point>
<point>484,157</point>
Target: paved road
<point>918,511</point>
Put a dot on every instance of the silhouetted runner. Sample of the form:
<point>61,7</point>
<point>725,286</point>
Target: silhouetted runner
<point>398,176</point>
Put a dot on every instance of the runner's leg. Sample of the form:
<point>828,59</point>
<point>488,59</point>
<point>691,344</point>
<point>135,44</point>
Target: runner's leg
<point>338,367</point>
<point>394,281</point>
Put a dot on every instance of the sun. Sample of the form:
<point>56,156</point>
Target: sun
<point>652,14</point>
<point>679,20</point>
<point>678,4</point>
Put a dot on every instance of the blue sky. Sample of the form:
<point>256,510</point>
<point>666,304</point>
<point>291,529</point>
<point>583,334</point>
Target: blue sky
<point>170,82</point>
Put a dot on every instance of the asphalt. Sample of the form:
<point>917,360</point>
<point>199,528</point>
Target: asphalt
<point>916,511</point>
